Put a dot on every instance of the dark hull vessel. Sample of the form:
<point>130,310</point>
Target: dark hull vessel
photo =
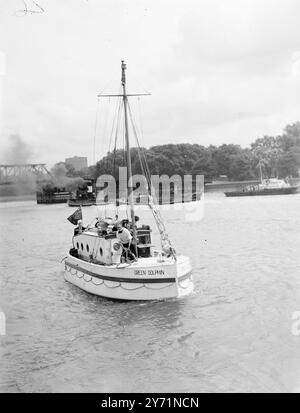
<point>43,197</point>
<point>269,191</point>
<point>85,194</point>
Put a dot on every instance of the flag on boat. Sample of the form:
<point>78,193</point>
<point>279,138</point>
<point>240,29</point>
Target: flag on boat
<point>76,216</point>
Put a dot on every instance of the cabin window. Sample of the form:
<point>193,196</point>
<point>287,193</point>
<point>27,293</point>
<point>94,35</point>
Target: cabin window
<point>82,246</point>
<point>87,248</point>
<point>77,245</point>
<point>101,251</point>
<point>144,239</point>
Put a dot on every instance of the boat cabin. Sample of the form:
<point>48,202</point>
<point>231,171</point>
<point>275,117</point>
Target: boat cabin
<point>273,183</point>
<point>144,241</point>
<point>104,248</point>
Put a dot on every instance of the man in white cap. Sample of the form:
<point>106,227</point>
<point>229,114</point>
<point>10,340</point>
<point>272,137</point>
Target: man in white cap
<point>125,238</point>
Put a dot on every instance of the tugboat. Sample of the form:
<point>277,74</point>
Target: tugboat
<point>85,194</point>
<point>272,186</point>
<point>102,261</point>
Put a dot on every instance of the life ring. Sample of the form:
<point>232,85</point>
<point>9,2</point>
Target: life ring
<point>116,246</point>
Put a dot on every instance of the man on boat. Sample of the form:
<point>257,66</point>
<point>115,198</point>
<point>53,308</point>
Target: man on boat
<point>125,239</point>
<point>102,226</point>
<point>80,228</point>
<point>129,225</point>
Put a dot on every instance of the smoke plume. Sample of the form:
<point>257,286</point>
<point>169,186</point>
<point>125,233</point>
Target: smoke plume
<point>60,179</point>
<point>18,151</point>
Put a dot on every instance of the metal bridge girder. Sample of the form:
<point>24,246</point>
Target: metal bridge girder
<point>11,173</point>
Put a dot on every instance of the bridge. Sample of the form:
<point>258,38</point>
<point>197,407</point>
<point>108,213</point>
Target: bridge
<point>10,174</point>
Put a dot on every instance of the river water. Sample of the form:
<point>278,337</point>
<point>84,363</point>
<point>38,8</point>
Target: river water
<point>234,333</point>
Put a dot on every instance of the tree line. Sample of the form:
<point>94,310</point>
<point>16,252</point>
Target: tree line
<point>279,157</point>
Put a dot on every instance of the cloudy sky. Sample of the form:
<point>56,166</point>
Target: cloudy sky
<point>219,71</point>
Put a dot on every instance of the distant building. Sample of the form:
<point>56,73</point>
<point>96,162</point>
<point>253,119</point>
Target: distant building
<point>78,162</point>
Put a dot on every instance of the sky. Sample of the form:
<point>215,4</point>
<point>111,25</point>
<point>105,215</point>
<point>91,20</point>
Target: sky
<point>218,71</point>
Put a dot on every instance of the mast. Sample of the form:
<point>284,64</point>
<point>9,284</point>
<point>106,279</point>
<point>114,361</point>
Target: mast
<point>129,175</point>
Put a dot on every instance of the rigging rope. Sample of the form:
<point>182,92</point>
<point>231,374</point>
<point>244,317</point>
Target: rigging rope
<point>165,241</point>
<point>116,112</point>
<point>95,131</point>
<point>116,136</point>
<point>152,201</point>
<point>105,124</point>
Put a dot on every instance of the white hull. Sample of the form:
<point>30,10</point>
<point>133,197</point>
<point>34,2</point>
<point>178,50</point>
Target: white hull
<point>146,279</point>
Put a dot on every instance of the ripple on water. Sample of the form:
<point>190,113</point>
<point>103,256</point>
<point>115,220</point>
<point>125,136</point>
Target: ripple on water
<point>232,334</point>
